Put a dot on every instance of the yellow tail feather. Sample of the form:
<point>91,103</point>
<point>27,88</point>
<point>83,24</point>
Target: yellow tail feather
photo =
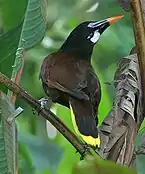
<point>88,139</point>
<point>92,141</point>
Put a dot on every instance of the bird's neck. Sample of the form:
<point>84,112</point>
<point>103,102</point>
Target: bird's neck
<point>80,51</point>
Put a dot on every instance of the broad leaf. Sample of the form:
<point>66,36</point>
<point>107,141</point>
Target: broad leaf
<point>12,13</point>
<point>7,137</point>
<point>93,165</point>
<point>8,44</point>
<point>33,31</point>
<point>140,153</point>
<point>69,150</point>
<point>26,35</point>
<point>40,149</point>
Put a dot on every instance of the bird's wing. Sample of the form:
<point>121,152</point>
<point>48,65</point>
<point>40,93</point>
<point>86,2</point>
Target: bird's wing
<point>94,89</point>
<point>84,113</point>
<point>65,73</point>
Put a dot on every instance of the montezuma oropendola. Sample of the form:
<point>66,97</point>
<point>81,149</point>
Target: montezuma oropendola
<point>68,77</point>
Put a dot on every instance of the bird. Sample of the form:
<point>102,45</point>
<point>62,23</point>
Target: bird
<point>69,79</point>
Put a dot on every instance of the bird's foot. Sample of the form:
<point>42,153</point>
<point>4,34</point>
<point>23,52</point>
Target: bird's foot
<point>86,148</point>
<point>43,102</point>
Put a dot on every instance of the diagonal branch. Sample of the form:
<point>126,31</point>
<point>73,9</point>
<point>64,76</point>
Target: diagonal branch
<point>47,114</point>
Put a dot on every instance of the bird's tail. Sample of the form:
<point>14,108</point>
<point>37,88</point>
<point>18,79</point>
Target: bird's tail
<point>84,121</point>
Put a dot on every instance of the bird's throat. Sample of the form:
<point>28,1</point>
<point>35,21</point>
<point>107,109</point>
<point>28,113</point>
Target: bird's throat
<point>81,51</point>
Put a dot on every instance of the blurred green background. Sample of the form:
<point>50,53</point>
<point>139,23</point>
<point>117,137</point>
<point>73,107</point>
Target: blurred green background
<point>42,149</point>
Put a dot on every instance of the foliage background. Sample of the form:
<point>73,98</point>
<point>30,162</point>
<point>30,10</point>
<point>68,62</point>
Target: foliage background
<point>41,148</point>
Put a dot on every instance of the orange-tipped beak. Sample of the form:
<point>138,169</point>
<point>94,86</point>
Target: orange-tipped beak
<point>102,25</point>
<point>114,19</point>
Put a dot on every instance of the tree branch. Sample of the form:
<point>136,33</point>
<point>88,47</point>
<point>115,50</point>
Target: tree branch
<point>138,23</point>
<point>47,114</point>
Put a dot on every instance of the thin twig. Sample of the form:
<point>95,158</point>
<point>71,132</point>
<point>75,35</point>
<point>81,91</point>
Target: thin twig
<point>17,71</point>
<point>138,23</point>
<point>47,114</point>
<point>18,76</point>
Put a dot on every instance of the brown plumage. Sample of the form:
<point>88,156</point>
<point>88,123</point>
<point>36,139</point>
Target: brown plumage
<point>67,79</point>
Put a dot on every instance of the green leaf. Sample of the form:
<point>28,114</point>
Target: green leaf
<point>40,149</point>
<point>34,25</point>
<point>140,161</point>
<point>140,158</point>
<point>12,13</point>
<point>8,44</point>
<point>33,30</point>
<point>94,165</point>
<point>24,36</point>
<point>70,156</point>
<point>7,137</point>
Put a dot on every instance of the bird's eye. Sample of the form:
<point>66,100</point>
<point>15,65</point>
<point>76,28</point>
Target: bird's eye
<point>94,37</point>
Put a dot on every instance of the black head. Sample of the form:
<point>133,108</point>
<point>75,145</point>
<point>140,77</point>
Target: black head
<point>83,38</point>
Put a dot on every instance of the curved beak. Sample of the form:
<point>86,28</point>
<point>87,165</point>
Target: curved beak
<point>102,25</point>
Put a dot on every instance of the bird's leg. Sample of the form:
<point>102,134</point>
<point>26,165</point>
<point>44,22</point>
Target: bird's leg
<point>43,102</point>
